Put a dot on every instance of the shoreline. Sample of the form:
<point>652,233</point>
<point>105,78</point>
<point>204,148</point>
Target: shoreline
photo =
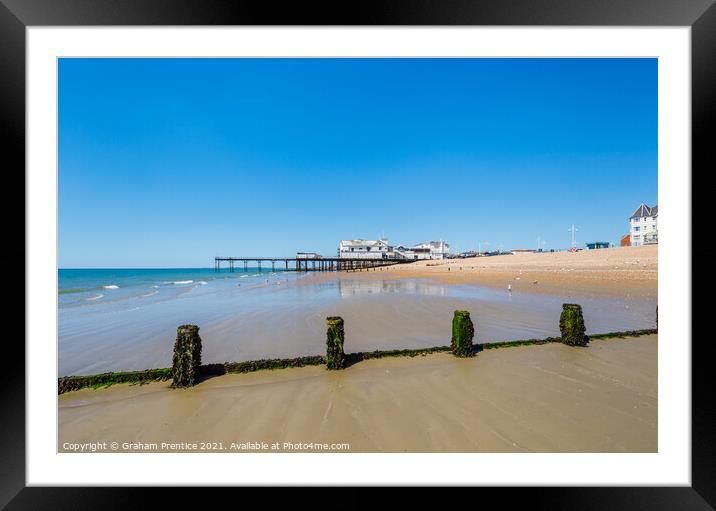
<point>544,398</point>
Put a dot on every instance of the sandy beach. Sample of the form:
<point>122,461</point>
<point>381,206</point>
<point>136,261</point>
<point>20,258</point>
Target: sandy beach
<point>620,271</point>
<point>549,398</point>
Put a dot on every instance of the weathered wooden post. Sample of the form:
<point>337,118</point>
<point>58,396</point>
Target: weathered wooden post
<point>187,356</point>
<point>462,333</point>
<point>335,357</point>
<point>571,325</point>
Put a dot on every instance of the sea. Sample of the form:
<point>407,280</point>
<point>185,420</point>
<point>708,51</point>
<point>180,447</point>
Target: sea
<point>126,319</point>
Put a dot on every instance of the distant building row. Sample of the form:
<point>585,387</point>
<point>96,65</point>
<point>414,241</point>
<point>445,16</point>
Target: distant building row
<point>381,249</point>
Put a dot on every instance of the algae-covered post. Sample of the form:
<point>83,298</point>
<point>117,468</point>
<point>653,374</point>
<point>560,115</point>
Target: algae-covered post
<point>335,357</point>
<point>571,325</point>
<point>187,356</point>
<point>462,333</point>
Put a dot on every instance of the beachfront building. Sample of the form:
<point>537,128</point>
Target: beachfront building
<point>427,250</point>
<point>381,249</point>
<point>402,252</point>
<point>431,250</point>
<point>643,226</point>
<point>364,249</point>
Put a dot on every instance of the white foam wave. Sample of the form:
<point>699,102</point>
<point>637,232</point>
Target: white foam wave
<point>111,286</point>
<point>202,283</point>
<point>183,282</point>
<point>91,298</point>
<point>150,294</point>
<point>155,287</point>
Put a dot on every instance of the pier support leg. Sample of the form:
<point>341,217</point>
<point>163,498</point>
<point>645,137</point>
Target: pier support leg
<point>571,325</point>
<point>335,357</point>
<point>187,356</point>
<point>462,333</point>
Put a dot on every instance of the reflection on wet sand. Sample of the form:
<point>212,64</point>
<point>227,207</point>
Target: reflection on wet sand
<point>283,315</point>
<point>362,287</point>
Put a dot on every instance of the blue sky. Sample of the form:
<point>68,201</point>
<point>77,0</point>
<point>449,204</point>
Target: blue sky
<point>169,162</point>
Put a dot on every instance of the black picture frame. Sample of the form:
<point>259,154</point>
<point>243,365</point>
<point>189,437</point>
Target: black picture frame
<point>16,15</point>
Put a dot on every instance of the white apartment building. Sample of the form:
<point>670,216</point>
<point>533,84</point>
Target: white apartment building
<point>643,225</point>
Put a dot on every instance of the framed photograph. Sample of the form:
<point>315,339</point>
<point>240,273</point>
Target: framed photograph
<point>446,245</point>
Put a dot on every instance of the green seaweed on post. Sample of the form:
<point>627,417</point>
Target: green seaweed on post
<point>187,356</point>
<point>335,335</point>
<point>571,325</point>
<point>462,333</point>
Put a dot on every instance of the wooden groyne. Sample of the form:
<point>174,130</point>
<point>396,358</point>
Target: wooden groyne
<point>70,383</point>
<point>187,369</point>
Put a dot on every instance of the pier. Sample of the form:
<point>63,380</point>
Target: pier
<point>305,264</point>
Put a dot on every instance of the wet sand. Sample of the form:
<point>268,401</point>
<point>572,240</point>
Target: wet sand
<point>288,319</point>
<point>549,398</point>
